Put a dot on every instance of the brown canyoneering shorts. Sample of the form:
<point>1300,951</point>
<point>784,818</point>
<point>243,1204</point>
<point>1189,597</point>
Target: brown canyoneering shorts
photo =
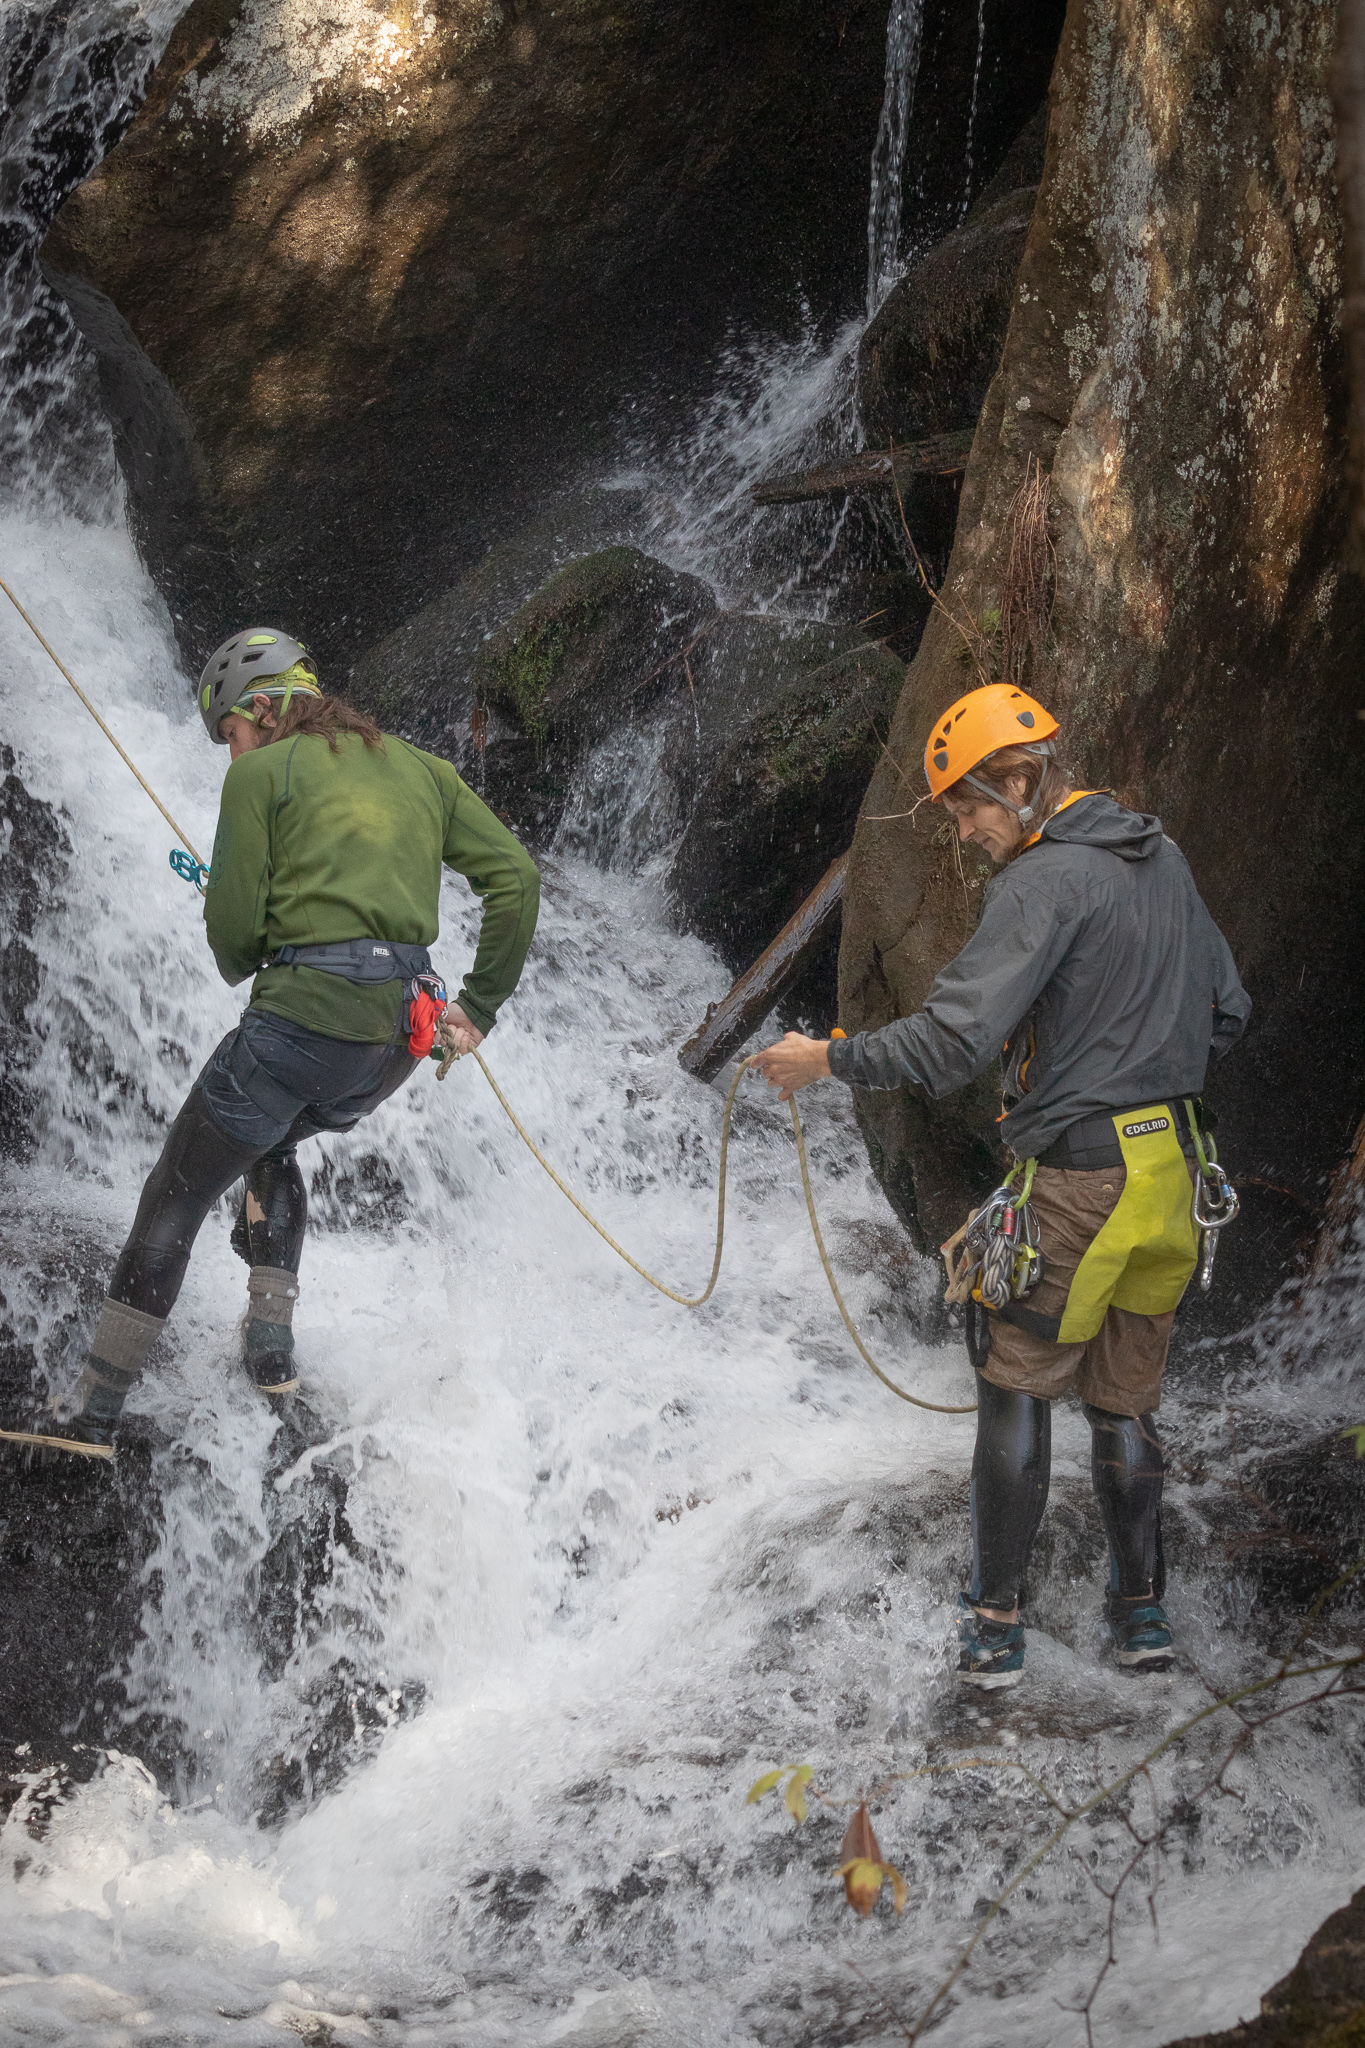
<point>1120,1367</point>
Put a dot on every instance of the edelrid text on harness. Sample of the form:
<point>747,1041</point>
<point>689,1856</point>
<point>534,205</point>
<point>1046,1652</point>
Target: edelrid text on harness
<point>372,961</point>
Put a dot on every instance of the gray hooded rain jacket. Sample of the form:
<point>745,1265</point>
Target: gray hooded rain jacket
<point>1096,973</point>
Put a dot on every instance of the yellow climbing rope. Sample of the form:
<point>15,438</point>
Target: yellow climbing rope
<point>696,1300</point>
<point>684,1300</point>
<point>126,759</point>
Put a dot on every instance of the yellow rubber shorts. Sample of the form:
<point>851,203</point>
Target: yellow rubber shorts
<point>1119,1246</point>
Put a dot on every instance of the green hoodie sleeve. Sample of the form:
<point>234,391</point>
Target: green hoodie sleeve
<point>237,891</point>
<point>505,878</point>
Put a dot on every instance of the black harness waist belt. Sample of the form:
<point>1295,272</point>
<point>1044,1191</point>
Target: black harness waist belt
<point>1093,1142</point>
<point>367,961</point>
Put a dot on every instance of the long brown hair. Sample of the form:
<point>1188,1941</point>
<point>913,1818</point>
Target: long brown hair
<point>323,718</point>
<point>1046,784</point>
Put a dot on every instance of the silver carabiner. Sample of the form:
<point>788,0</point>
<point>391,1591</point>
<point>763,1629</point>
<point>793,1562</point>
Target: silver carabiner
<point>1213,1187</point>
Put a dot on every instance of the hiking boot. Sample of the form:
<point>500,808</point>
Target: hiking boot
<point>1141,1630</point>
<point>273,1371</point>
<point>990,1653</point>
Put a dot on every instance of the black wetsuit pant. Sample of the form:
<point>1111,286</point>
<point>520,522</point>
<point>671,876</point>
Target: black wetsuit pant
<point>270,1084</point>
<point>1010,1474</point>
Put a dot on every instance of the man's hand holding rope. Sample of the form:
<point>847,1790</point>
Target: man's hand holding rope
<point>794,1063</point>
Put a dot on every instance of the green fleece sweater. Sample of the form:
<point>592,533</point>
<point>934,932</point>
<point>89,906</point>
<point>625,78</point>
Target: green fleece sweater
<point>315,846</point>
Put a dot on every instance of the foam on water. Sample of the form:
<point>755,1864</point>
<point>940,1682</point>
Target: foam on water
<point>624,1556</point>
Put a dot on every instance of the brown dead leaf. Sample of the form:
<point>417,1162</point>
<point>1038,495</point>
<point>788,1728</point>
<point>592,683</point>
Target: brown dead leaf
<point>860,1843</point>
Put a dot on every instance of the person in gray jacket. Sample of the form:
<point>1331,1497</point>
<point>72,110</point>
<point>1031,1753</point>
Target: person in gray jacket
<point>1098,977</point>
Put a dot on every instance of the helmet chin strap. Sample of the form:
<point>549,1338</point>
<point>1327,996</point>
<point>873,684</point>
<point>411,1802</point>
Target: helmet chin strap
<point>1025,813</point>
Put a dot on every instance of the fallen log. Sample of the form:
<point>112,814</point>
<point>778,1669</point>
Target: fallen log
<point>874,469</point>
<point>729,1022</point>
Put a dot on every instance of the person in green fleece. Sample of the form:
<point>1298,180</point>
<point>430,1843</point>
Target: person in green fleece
<point>324,887</point>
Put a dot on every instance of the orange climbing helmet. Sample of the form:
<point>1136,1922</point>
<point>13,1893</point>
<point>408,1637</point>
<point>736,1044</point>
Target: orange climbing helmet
<point>979,724</point>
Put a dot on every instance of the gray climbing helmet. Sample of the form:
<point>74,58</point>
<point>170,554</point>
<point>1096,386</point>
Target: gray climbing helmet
<point>256,661</point>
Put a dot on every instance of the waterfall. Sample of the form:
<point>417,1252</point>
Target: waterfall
<point>441,1720</point>
<point>971,112</point>
<point>903,33</point>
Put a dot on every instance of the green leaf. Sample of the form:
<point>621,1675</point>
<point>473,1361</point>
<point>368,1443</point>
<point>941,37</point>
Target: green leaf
<point>1357,1431</point>
<point>795,1794</point>
<point>762,1785</point>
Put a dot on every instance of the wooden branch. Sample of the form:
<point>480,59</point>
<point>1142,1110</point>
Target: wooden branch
<point>729,1022</point>
<point>875,469</point>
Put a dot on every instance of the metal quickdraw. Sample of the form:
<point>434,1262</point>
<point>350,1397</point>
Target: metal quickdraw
<point>999,1260</point>
<point>1215,1198</point>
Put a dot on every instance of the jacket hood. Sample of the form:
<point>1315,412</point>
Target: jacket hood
<point>1098,821</point>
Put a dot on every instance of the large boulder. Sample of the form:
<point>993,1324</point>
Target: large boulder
<point>1174,371</point>
<point>927,359</point>
<point>401,262</point>
<point>590,652</point>
<point>794,718</point>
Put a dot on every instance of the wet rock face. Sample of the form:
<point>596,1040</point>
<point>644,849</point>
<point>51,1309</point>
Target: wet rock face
<point>926,361</point>
<point>1174,366</point>
<point>592,651</point>
<point>34,851</point>
<point>408,241</point>
<point>1320,2004</point>
<point>420,251</point>
<point>71,78</point>
<point>783,774</point>
<point>171,514</point>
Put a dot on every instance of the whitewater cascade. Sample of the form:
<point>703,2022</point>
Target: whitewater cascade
<point>576,1566</point>
<point>904,30</point>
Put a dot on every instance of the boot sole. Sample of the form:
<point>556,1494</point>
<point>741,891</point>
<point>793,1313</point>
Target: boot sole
<point>1151,1660</point>
<point>991,1681</point>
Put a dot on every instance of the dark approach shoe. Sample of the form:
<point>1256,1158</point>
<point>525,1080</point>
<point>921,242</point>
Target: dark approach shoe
<point>990,1653</point>
<point>1142,1633</point>
<point>273,1372</point>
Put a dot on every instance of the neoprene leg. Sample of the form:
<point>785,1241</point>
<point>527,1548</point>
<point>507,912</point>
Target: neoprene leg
<point>1128,1470</point>
<point>197,1165</point>
<point>1010,1472</point>
<point>273,1218</point>
<point>276,1210</point>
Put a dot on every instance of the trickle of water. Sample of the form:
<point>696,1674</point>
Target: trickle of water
<point>904,30</point>
<point>971,112</point>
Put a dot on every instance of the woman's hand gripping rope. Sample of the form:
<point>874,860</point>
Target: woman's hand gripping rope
<point>696,1300</point>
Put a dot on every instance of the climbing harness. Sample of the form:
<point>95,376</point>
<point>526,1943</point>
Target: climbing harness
<point>1215,1199</point>
<point>371,962</point>
<point>127,759</point>
<point>427,988</point>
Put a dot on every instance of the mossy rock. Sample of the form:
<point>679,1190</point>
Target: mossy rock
<point>591,649</point>
<point>782,794</point>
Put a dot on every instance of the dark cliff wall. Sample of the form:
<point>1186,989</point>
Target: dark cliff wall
<point>401,263</point>
<point>1174,364</point>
